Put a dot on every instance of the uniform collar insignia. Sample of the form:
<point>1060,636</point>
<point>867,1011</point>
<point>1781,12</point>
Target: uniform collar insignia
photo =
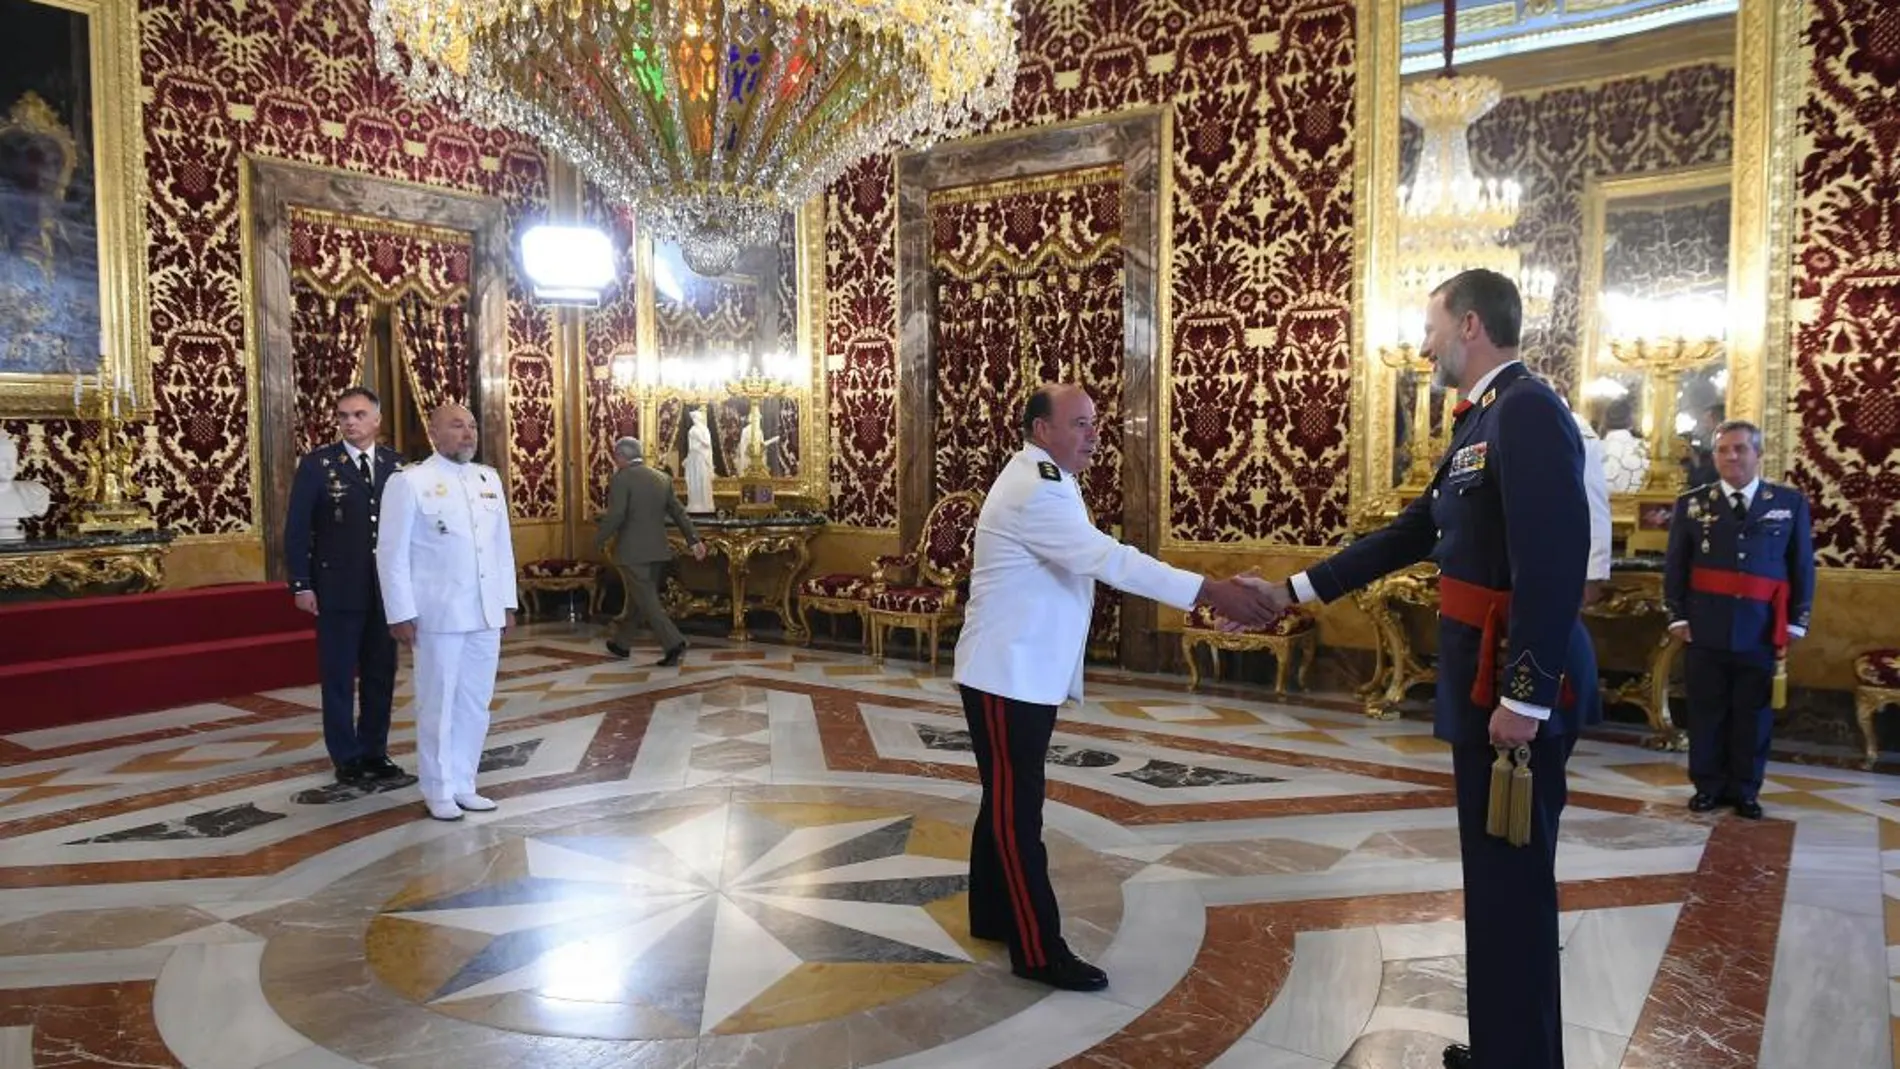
<point>1490,395</point>
<point>1767,494</point>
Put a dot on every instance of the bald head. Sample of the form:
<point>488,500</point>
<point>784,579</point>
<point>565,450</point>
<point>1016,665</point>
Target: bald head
<point>452,431</point>
<point>1060,418</point>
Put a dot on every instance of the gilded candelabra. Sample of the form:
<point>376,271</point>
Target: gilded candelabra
<point>1663,360</point>
<point>111,497</point>
<point>1427,444</point>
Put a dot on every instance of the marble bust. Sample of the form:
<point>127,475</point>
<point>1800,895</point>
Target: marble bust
<point>21,499</point>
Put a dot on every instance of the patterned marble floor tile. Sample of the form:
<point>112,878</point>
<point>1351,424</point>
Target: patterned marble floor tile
<point>760,859</point>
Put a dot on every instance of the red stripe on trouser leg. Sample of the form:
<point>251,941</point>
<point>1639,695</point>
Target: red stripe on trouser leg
<point>1003,812</point>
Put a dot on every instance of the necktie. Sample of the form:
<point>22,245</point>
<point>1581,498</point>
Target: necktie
<point>362,465</point>
<point>1739,506</point>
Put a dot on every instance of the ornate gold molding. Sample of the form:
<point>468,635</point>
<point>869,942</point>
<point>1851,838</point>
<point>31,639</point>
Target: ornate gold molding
<point>79,570</point>
<point>118,138</point>
<point>303,213</point>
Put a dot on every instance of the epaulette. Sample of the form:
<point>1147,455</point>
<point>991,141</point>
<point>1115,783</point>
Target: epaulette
<point>1049,471</point>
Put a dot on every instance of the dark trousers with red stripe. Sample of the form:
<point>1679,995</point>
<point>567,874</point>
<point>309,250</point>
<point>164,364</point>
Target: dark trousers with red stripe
<point>1010,896</point>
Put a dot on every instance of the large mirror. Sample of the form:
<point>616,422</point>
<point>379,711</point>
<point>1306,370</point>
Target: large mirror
<point>1610,174</point>
<point>1653,373</point>
<point>738,355</point>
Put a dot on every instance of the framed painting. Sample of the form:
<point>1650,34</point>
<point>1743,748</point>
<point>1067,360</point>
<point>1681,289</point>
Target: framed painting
<point>72,249</point>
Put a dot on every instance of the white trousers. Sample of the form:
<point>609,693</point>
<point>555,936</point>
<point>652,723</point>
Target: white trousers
<point>455,678</point>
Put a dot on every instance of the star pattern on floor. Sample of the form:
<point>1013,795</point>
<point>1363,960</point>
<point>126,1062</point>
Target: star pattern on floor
<point>691,920</point>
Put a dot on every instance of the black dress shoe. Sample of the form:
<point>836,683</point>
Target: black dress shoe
<point>1458,1056</point>
<point>381,767</point>
<point>1703,802</point>
<point>1748,809</point>
<point>1068,974</point>
<point>352,773</point>
<point>618,650</point>
<point>672,657</point>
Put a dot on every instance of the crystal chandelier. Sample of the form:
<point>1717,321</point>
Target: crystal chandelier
<point>710,118</point>
<point>1450,220</point>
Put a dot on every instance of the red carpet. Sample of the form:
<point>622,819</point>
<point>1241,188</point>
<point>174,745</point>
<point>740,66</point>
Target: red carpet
<point>64,662</point>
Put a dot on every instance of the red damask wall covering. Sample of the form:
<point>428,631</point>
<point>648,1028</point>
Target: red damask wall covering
<point>1261,272</point>
<point>1845,378</point>
<point>295,80</point>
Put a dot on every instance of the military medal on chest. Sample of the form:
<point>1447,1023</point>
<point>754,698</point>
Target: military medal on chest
<point>336,489</point>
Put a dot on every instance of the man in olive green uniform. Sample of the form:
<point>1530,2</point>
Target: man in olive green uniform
<point>638,505</point>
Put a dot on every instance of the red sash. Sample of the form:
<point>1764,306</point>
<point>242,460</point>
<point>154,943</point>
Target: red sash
<point>1704,580</point>
<point>1489,611</point>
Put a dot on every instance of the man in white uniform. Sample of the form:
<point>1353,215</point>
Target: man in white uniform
<point>447,568</point>
<point>1032,591</point>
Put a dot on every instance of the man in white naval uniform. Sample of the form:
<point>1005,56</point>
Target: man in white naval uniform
<point>447,567</point>
<point>1032,591</point>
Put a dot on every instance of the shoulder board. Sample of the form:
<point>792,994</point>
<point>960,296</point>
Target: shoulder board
<point>1048,471</point>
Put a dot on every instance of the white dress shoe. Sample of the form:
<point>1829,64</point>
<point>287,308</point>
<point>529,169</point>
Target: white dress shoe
<point>474,803</point>
<point>445,811</point>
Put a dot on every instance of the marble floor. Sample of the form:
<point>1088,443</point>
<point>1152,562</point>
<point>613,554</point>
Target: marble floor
<point>757,859</point>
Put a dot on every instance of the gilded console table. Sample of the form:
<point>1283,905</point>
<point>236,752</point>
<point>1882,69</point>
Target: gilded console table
<point>1631,601</point>
<point>82,565</point>
<point>742,540</point>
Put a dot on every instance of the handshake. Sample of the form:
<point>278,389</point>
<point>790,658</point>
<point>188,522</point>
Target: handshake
<point>1246,600</point>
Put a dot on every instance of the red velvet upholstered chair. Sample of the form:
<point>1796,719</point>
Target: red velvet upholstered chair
<point>922,590</point>
<point>1293,636</point>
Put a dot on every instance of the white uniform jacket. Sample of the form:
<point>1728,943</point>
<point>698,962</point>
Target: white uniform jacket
<point>1596,488</point>
<point>1032,587</point>
<point>444,554</point>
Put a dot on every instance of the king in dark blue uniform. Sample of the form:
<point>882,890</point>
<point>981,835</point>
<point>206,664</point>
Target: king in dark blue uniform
<point>330,557</point>
<point>1508,524</point>
<point>1739,583</point>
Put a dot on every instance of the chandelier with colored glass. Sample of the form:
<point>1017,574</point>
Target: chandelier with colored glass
<point>710,118</point>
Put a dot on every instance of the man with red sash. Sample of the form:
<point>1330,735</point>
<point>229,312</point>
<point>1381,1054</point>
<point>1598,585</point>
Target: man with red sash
<point>1507,521</point>
<point>1739,583</point>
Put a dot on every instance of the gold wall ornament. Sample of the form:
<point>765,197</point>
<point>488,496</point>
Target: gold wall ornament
<point>110,499</point>
<point>78,568</point>
<point>1768,90</point>
<point>709,118</point>
<point>114,143</point>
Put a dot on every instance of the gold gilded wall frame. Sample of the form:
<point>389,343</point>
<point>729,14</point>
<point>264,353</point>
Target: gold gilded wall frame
<point>812,484</point>
<point>119,206</point>
<point>267,190</point>
<point>1768,83</point>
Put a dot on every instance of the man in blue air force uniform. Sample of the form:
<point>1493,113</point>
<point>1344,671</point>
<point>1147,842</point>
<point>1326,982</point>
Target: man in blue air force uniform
<point>1506,519</point>
<point>1739,582</point>
<point>330,555</point>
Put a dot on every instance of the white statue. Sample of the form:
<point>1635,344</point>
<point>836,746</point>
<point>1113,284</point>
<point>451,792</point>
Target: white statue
<point>21,499</point>
<point>699,465</point>
<point>752,439</point>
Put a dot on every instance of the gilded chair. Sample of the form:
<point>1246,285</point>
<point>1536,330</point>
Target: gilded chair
<point>1878,672</point>
<point>922,590</point>
<point>1292,636</point>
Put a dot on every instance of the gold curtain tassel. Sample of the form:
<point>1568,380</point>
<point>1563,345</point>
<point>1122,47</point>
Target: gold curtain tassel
<point>1497,816</point>
<point>1520,831</point>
